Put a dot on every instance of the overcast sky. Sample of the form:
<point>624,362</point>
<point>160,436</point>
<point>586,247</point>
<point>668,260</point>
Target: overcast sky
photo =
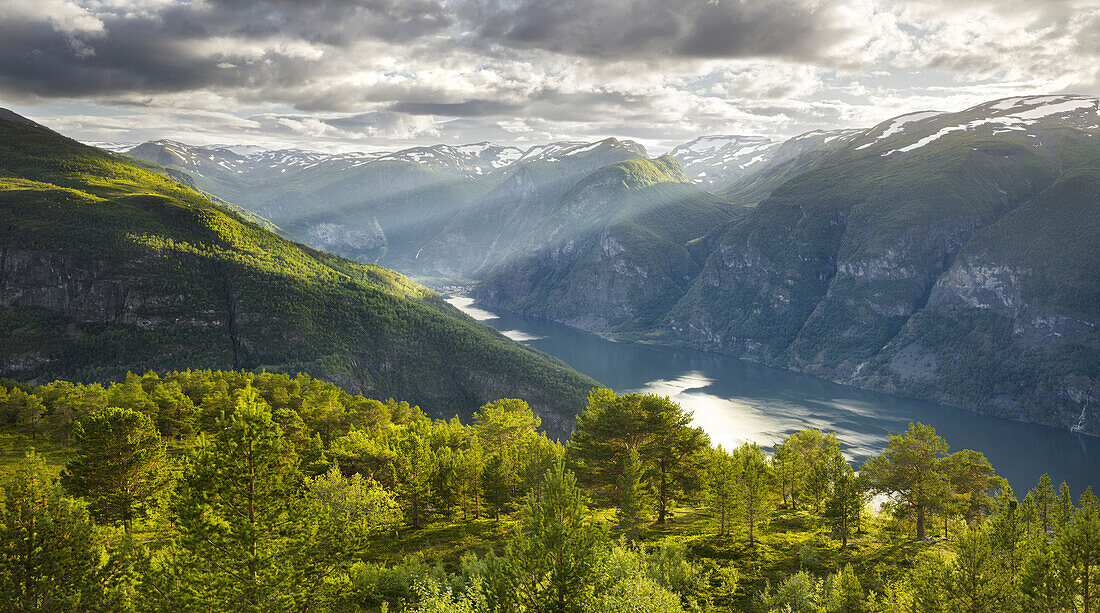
<point>370,74</point>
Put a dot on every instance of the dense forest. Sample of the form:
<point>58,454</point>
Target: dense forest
<point>238,491</point>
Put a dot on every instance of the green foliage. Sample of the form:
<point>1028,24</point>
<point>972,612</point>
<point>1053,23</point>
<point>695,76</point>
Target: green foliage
<point>556,552</point>
<point>908,469</point>
<point>48,553</point>
<point>119,464</point>
<point>248,540</point>
<point>658,430</point>
<point>756,482</point>
<point>332,531</point>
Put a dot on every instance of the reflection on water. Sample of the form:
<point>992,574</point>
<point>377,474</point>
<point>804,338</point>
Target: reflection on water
<point>466,305</point>
<point>735,401</point>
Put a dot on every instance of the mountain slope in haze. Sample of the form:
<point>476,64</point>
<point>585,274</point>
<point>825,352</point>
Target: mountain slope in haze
<point>613,253</point>
<point>106,266</point>
<point>372,207</point>
<point>502,224</point>
<point>950,256</point>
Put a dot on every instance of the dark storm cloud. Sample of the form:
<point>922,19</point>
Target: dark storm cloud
<point>648,28</point>
<point>164,52</point>
<point>470,108</point>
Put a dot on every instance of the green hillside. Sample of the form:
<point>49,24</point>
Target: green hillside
<point>107,267</point>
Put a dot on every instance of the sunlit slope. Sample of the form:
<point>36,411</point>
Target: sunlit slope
<point>108,267</point>
<point>614,252</point>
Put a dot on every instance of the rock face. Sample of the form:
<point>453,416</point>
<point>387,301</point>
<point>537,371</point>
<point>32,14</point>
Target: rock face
<point>955,261</point>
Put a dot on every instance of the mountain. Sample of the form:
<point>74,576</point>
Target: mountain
<point>949,256</point>
<point>377,207</point>
<point>940,255</point>
<point>503,224</point>
<point>108,267</point>
<point>613,252</point>
<point>719,160</point>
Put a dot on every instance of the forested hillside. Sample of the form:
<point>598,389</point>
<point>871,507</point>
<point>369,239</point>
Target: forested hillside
<point>106,267</point>
<point>237,491</point>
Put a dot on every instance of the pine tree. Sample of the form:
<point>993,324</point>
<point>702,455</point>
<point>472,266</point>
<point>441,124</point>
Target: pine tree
<point>755,480</point>
<point>632,506</point>
<point>1080,546</point>
<point>1045,579</point>
<point>505,424</point>
<point>671,450</point>
<point>119,466</point>
<point>974,581</point>
<point>1045,499</point>
<point>414,470</point>
<point>909,468</point>
<point>843,592</point>
<point>844,504</point>
<point>1006,530</point>
<point>722,482</point>
<point>971,480</point>
<point>48,554</point>
<point>248,539</point>
<point>497,480</point>
<point>555,556</point>
<point>1063,507</point>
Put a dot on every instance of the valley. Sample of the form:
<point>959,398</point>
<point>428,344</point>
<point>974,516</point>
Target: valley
<point>949,256</point>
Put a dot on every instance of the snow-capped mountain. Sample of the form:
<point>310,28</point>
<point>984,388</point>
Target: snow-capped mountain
<point>714,160</point>
<point>471,160</point>
<point>1023,116</point>
<point>113,146</point>
<point>256,162</point>
<point>553,152</point>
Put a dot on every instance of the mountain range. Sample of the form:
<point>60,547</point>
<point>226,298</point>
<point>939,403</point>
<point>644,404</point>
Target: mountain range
<point>951,256</point>
<point>109,266</point>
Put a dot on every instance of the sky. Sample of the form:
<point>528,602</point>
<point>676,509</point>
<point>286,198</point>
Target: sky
<point>342,75</point>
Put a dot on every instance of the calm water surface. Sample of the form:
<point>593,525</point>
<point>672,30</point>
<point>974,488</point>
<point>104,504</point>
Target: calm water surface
<point>735,401</point>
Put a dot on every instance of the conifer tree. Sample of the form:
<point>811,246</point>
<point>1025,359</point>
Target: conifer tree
<point>1045,577</point>
<point>497,480</point>
<point>414,470</point>
<point>555,555</point>
<point>844,504</point>
<point>1045,499</point>
<point>755,480</point>
<point>909,468</point>
<point>722,482</point>
<point>1080,546</point>
<point>119,466</point>
<point>48,553</point>
<point>248,538</point>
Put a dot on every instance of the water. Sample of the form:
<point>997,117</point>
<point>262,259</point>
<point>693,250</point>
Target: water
<point>736,401</point>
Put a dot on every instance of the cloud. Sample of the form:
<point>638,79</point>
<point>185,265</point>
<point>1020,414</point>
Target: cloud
<point>331,71</point>
<point>621,29</point>
<point>470,108</point>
